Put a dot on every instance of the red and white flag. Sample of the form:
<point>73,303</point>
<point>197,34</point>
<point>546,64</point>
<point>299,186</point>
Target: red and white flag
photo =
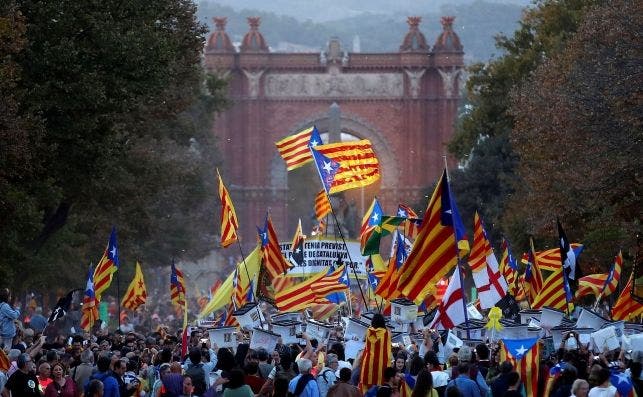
<point>490,283</point>
<point>451,309</point>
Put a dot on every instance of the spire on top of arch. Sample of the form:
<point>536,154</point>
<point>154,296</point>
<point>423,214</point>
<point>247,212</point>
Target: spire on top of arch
<point>414,41</point>
<point>448,40</point>
<point>219,40</point>
<point>253,41</point>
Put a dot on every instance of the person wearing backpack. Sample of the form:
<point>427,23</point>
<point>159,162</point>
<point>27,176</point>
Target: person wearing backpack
<point>326,378</point>
<point>110,384</point>
<point>196,372</point>
<point>303,385</point>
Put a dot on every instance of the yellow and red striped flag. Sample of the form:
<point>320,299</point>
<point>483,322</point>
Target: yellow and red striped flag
<point>508,267</point>
<point>322,205</point>
<point>358,165</point>
<point>553,293</point>
<point>107,266</point>
<point>332,282</point>
<point>177,287</point>
<point>412,223</point>
<point>294,148</point>
<point>298,296</point>
<point>136,293</point>
<point>376,357</point>
<point>626,308</point>
<point>229,222</point>
<point>613,278</point>
<point>90,303</point>
<point>323,311</point>
<point>524,355</point>
<point>549,260</point>
<point>481,246</point>
<point>533,275</point>
<point>434,253</point>
<point>274,262</point>
<point>591,284</point>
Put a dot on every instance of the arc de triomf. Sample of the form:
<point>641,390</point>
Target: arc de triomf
<point>404,102</point>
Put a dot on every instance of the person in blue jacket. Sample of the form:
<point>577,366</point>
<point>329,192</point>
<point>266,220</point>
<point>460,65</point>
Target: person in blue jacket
<point>8,314</point>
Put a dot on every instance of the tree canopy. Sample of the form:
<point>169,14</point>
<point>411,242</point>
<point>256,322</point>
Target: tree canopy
<point>108,122</point>
<point>541,112</point>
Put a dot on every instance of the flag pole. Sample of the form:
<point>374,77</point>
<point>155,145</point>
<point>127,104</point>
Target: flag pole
<point>457,253</point>
<point>118,297</point>
<point>249,281</point>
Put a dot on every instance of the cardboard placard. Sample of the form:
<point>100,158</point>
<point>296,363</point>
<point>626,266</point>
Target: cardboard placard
<point>288,331</point>
<point>452,342</point>
<point>550,318</point>
<point>263,339</point>
<point>223,337</point>
<point>590,319</point>
<point>249,316</point>
<point>403,311</point>
<point>527,314</point>
<point>606,338</point>
<point>355,329</point>
<point>352,348</point>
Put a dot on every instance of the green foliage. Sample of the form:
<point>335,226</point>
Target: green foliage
<point>115,116</point>
<point>482,140</point>
<point>578,134</point>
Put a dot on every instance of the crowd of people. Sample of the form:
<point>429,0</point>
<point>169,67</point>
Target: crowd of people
<point>138,362</point>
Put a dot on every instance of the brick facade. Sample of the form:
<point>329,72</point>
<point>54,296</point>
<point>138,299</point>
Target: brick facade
<point>405,102</point>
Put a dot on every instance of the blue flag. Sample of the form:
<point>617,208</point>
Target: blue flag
<point>326,167</point>
<point>519,347</point>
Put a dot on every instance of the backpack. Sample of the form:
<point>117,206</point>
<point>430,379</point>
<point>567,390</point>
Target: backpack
<point>197,373</point>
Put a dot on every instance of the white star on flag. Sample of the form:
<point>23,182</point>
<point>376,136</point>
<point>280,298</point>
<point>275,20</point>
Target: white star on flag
<point>521,351</point>
<point>314,143</point>
<point>375,217</point>
<point>401,213</point>
<point>328,167</point>
<point>113,252</point>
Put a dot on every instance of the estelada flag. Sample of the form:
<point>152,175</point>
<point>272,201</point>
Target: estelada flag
<point>626,307</point>
<point>229,222</point>
<point>136,293</point>
<point>358,164</point>
<point>294,148</point>
<point>376,357</point>
<point>435,251</point>
<point>524,355</point>
<point>107,266</point>
<point>322,205</point>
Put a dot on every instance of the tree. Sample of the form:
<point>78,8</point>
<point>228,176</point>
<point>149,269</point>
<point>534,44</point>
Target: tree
<point>579,137</point>
<point>482,140</point>
<point>125,112</point>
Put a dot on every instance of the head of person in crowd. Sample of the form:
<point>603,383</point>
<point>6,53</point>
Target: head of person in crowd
<point>603,377</point>
<point>345,374</point>
<point>225,360</point>
<point>332,362</point>
<point>5,295</point>
<point>423,384</point>
<point>513,380</point>
<point>87,357</point>
<point>580,388</point>
<point>188,388</point>
<point>58,371</point>
<point>52,356</point>
<point>378,321</point>
<point>389,376</point>
<point>338,349</point>
<point>387,391</point>
<point>280,387</point>
<point>416,365</point>
<point>276,358</point>
<point>95,388</point>
<point>400,363</point>
<point>164,370</point>
<point>466,354</point>
<point>482,352</point>
<point>195,356</point>
<point>432,361</point>
<point>103,363</point>
<point>506,367</point>
<point>236,379</point>
<point>44,370</point>
<point>25,364</point>
<point>304,365</point>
